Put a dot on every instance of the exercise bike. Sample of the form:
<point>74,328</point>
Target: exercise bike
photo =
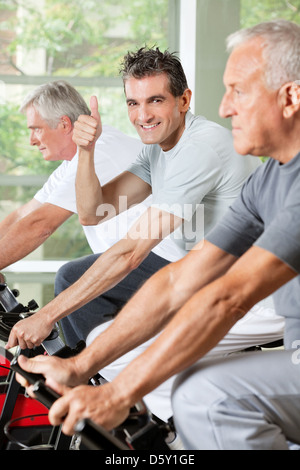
<point>24,421</point>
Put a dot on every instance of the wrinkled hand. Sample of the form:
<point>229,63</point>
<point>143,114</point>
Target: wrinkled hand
<point>103,405</point>
<point>55,369</point>
<point>87,129</point>
<point>29,332</point>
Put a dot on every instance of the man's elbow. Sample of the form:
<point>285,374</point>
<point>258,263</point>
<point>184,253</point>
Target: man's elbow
<point>42,229</point>
<point>87,221</point>
<point>96,217</point>
<point>232,302</point>
<point>133,260</point>
<point>44,232</point>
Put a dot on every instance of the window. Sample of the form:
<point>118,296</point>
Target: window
<point>266,10</point>
<point>83,42</point>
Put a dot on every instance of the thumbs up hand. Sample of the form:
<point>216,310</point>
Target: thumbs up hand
<point>87,129</point>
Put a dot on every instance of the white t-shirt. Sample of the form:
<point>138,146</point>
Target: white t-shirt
<point>114,151</point>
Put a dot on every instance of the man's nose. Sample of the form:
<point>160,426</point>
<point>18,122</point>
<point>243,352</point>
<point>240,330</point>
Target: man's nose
<point>226,109</point>
<point>33,139</point>
<point>145,114</point>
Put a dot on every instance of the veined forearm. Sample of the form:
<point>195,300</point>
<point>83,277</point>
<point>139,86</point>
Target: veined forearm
<point>154,305</point>
<point>88,188</point>
<point>134,325</point>
<point>20,240</point>
<point>204,320</point>
<point>110,268</point>
<point>197,327</point>
<point>29,232</point>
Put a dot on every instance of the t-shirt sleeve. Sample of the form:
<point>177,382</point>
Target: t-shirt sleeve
<point>193,173</point>
<point>241,225</point>
<point>236,232</point>
<point>59,189</point>
<point>180,181</point>
<point>141,166</point>
<point>282,236</point>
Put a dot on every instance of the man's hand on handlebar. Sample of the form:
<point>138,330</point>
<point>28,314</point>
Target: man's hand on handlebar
<point>53,368</point>
<point>103,405</point>
<point>29,332</point>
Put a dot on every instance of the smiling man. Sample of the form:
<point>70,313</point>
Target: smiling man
<point>51,110</point>
<point>153,110</point>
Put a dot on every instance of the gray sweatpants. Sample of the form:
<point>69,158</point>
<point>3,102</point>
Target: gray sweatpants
<point>246,401</point>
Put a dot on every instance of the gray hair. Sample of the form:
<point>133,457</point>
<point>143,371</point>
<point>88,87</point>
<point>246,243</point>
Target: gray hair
<point>56,99</point>
<point>281,44</point>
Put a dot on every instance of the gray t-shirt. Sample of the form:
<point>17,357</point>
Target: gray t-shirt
<point>267,214</point>
<point>196,180</point>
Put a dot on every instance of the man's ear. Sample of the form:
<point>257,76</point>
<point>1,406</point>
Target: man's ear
<point>185,100</point>
<point>66,124</point>
<point>289,95</point>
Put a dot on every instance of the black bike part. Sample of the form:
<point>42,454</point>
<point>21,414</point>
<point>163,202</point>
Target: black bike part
<point>95,437</point>
<point>29,376</point>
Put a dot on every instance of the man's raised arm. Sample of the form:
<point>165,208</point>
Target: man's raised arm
<point>90,195</point>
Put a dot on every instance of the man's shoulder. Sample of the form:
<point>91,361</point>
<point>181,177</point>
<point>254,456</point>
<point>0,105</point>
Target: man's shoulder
<point>62,169</point>
<point>202,126</point>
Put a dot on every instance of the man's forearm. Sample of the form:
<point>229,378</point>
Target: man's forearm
<point>15,245</point>
<point>146,313</point>
<point>153,306</point>
<point>204,320</point>
<point>109,269</point>
<point>188,337</point>
<point>7,223</point>
<point>28,233</point>
<point>191,324</point>
<point>88,188</point>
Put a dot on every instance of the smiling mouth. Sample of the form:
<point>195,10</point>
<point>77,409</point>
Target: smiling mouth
<point>150,126</point>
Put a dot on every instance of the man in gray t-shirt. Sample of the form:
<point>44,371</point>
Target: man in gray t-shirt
<point>251,402</point>
<point>270,220</point>
<point>194,180</point>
